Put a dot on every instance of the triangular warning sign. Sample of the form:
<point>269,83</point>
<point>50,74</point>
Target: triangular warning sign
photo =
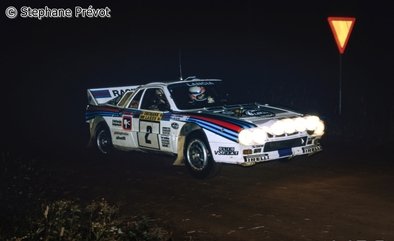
<point>341,27</point>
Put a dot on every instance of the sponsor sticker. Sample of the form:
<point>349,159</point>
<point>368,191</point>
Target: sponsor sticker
<point>121,133</point>
<point>226,151</point>
<point>258,113</point>
<point>200,83</point>
<point>119,92</point>
<point>174,125</point>
<point>177,117</point>
<point>256,158</point>
<point>116,122</point>
<point>311,149</point>
<point>166,131</point>
<point>151,116</point>
<point>126,122</point>
<point>165,141</point>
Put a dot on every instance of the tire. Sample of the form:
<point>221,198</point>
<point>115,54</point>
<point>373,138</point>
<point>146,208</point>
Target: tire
<point>103,140</point>
<point>198,158</point>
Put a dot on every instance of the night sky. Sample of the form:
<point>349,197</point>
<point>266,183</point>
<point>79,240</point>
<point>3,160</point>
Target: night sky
<point>280,53</point>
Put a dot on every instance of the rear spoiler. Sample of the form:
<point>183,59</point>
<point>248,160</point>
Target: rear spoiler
<point>101,95</point>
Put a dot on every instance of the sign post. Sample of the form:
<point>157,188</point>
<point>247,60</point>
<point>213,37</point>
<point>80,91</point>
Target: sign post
<point>341,28</point>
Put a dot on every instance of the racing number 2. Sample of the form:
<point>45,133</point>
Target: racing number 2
<point>148,135</point>
<point>148,131</point>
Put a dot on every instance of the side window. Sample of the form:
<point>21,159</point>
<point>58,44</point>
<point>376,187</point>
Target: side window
<point>155,99</point>
<point>125,98</point>
<point>136,99</point>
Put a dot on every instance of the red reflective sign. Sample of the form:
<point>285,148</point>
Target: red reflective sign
<point>341,27</point>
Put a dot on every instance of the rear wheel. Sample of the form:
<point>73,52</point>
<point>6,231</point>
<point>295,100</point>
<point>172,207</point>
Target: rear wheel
<point>198,158</point>
<point>103,140</point>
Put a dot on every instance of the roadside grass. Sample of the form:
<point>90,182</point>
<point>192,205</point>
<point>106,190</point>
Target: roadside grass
<point>29,211</point>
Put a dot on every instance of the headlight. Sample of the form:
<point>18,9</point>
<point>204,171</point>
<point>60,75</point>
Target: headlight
<point>253,136</point>
<point>245,137</point>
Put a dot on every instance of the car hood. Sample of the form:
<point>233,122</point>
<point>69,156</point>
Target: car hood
<point>255,113</point>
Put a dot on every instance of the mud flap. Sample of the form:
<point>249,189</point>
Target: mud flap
<point>179,161</point>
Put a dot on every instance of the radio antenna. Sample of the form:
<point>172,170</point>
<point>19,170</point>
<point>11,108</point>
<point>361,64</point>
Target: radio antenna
<point>180,64</point>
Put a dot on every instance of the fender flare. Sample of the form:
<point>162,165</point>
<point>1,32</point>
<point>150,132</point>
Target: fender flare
<point>186,130</point>
<point>93,125</point>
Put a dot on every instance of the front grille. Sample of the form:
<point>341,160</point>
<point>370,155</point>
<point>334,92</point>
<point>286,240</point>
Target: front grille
<point>278,145</point>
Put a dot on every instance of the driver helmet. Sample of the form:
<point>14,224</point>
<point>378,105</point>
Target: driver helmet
<point>197,93</point>
<point>159,93</point>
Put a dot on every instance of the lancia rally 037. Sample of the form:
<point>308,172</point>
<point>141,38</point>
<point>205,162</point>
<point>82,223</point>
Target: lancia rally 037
<point>192,120</point>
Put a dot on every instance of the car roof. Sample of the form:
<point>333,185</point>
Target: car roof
<point>187,80</point>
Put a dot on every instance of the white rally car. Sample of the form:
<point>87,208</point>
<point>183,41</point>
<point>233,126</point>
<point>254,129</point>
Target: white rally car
<point>192,120</point>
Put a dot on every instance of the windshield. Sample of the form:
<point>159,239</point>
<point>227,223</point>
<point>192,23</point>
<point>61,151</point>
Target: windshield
<point>198,94</point>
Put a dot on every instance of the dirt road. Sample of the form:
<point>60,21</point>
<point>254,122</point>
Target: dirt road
<point>339,194</point>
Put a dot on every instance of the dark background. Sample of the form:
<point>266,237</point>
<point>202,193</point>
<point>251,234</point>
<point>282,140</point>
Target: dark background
<point>280,53</point>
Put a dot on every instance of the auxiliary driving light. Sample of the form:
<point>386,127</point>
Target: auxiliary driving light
<point>258,136</point>
<point>277,128</point>
<point>300,124</point>
<point>289,126</point>
<point>311,122</point>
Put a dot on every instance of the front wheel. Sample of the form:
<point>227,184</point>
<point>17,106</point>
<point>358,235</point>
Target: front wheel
<point>103,140</point>
<point>198,158</point>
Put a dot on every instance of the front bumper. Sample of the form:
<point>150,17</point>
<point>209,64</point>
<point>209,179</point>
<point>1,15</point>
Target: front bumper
<point>272,150</point>
<point>251,159</point>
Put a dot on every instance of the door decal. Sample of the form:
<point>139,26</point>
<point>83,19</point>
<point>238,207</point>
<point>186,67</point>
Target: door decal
<point>148,135</point>
<point>126,123</point>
